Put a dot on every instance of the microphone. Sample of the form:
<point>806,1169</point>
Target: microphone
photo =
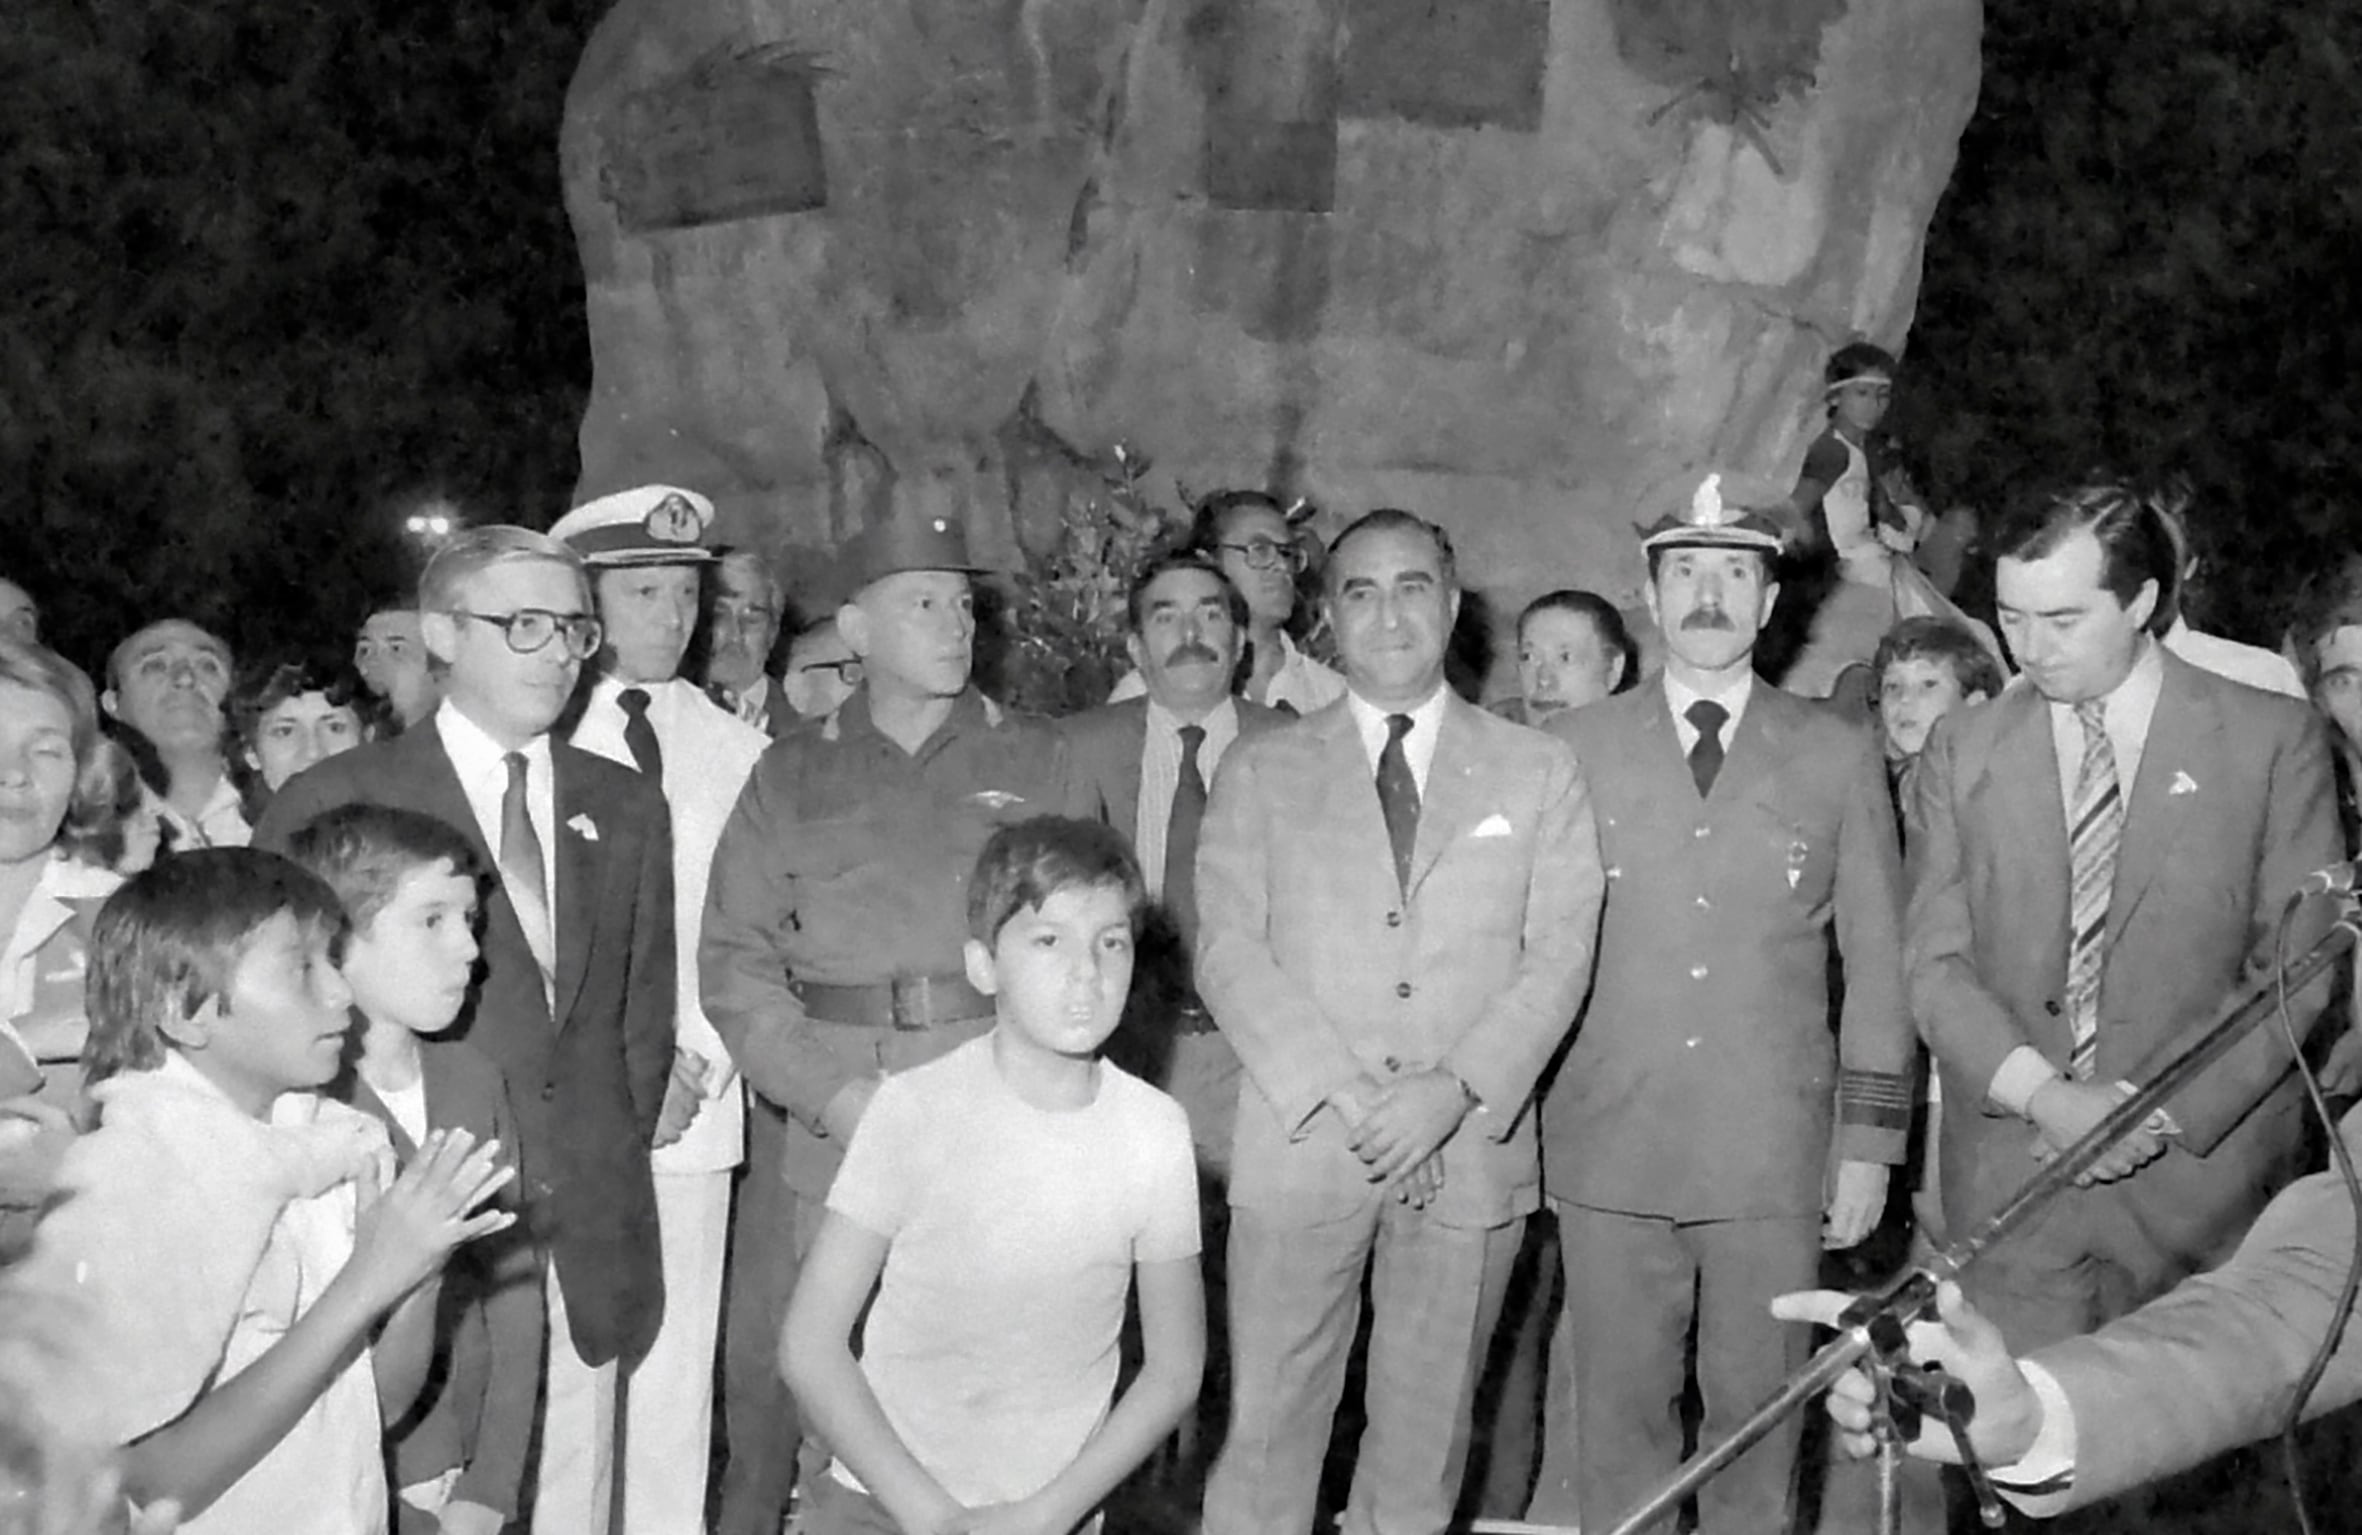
<point>2337,879</point>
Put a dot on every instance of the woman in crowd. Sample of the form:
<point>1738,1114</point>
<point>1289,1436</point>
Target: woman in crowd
<point>57,804</point>
<point>285,715</point>
<point>1572,649</point>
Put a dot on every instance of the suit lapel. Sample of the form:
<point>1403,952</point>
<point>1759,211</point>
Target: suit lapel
<point>574,902</point>
<point>1123,785</point>
<point>1348,788</point>
<point>1750,763</point>
<point>2183,735</point>
<point>1448,806</point>
<point>429,767</point>
<point>2016,792</point>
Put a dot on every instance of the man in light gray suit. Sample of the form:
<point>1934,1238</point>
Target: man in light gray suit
<point>1398,899</point>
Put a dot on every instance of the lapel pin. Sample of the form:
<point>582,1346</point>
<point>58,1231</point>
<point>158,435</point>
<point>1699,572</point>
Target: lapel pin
<point>584,827</point>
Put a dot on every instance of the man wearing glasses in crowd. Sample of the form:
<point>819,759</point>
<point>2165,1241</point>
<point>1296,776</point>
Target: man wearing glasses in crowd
<point>744,628</point>
<point>575,999</point>
<point>1246,532</point>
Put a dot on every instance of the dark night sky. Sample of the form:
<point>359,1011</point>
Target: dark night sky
<point>276,267</point>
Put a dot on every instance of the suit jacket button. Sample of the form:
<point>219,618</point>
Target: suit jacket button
<point>2051,1007</point>
<point>549,1093</point>
<point>1697,972</point>
<point>1402,989</point>
<point>1394,919</point>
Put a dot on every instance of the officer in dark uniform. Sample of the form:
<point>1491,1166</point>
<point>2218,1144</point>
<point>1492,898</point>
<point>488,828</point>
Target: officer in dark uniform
<point>837,907</point>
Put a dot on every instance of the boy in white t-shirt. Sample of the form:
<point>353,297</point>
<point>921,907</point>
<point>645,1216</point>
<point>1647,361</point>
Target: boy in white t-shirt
<point>259,1299</point>
<point>1004,1200</point>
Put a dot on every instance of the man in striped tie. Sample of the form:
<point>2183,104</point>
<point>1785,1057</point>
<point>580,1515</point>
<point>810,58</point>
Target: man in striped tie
<point>2098,860</point>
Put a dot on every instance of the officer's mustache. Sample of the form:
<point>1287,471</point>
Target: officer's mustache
<point>1707,618</point>
<point>1191,650</point>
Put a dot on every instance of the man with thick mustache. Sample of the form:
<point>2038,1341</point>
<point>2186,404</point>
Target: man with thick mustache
<point>1687,1137</point>
<point>1145,766</point>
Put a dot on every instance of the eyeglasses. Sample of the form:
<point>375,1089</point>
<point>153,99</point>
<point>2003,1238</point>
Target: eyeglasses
<point>1264,554</point>
<point>848,670</point>
<point>531,629</point>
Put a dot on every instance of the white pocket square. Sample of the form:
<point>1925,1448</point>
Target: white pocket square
<point>1495,825</point>
<point>584,827</point>
<point>2183,783</point>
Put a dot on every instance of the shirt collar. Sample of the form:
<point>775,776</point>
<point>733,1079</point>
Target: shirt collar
<point>1219,719</point>
<point>1680,695</point>
<point>969,712</point>
<point>2130,705</point>
<point>473,752</point>
<point>607,693</point>
<point>1426,719</point>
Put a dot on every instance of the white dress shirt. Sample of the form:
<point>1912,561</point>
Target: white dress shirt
<point>1418,746</point>
<point>1680,695</point>
<point>1160,776</point>
<point>482,766</point>
<point>2251,664</point>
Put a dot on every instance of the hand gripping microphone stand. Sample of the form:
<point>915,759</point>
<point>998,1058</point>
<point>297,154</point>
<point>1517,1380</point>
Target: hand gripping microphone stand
<point>1870,1334</point>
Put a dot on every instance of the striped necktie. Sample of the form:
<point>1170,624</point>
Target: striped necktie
<point>2096,827</point>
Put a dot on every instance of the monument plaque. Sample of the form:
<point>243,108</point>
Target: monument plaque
<point>734,136</point>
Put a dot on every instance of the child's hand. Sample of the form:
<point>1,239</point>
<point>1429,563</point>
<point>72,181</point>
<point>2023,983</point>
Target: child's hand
<point>406,1231</point>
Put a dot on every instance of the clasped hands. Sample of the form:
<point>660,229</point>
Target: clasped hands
<point>1398,1129</point>
<point>2064,1111</point>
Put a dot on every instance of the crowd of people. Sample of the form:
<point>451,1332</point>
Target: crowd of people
<point>460,1084</point>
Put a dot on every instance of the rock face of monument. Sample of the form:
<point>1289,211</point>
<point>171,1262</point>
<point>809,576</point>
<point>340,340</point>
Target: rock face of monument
<point>1520,265</point>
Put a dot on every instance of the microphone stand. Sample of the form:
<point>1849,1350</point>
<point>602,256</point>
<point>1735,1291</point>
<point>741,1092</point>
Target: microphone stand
<point>1872,1327</point>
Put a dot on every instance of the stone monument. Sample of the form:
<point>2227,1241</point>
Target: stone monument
<point>1520,265</point>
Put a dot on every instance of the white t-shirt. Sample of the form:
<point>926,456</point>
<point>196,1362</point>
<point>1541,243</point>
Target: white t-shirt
<point>991,1346</point>
<point>328,1472</point>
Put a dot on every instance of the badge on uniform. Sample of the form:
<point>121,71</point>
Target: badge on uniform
<point>674,521</point>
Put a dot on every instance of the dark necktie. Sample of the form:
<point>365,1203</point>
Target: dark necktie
<point>639,735</point>
<point>1705,758</point>
<point>520,867</point>
<point>1398,797</point>
<point>1181,828</point>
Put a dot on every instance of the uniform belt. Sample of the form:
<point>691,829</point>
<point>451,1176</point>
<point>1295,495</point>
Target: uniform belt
<point>909,1002</point>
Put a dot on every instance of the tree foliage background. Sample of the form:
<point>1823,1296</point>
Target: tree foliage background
<point>274,268</point>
